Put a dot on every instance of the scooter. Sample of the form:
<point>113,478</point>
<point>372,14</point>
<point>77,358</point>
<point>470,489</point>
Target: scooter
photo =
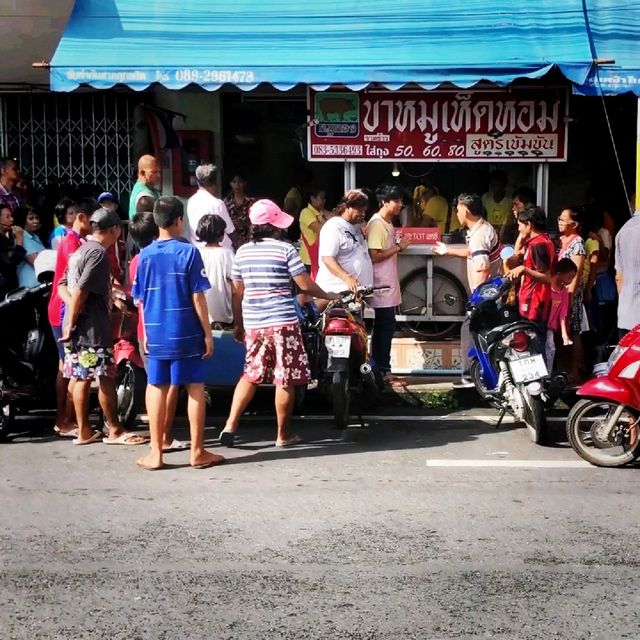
<point>506,365</point>
<point>28,355</point>
<point>603,427</point>
<point>337,347</point>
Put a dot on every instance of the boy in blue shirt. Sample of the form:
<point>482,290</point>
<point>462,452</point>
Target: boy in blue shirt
<point>170,283</point>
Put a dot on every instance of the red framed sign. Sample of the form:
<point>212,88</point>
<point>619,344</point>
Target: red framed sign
<point>522,125</point>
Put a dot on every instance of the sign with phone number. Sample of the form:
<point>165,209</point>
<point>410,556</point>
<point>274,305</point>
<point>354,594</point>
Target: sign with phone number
<point>439,126</point>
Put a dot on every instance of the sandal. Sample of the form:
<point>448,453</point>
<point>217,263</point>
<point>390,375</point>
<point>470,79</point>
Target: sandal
<point>292,442</point>
<point>125,438</point>
<point>94,438</point>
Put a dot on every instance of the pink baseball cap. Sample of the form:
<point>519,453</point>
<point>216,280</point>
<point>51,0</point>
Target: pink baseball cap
<point>267,212</point>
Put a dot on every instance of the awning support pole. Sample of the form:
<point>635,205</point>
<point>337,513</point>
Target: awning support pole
<point>542,185</point>
<point>636,204</point>
<point>349,175</point>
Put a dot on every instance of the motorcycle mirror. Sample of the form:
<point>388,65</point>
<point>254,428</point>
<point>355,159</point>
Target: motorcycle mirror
<point>507,252</point>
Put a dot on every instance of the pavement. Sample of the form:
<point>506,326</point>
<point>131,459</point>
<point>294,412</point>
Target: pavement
<point>417,526</point>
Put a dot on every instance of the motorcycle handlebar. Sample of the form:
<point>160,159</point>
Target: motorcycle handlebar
<point>366,292</point>
<point>21,294</point>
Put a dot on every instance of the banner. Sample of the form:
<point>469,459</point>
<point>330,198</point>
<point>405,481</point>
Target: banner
<point>522,125</point>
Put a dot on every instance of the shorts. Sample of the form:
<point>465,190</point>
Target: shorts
<point>276,355</point>
<point>57,334</point>
<point>179,371</point>
<point>88,363</point>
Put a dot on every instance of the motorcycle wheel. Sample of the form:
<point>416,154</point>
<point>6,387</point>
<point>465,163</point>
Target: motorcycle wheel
<point>476,376</point>
<point>586,420</point>
<point>130,388</point>
<point>535,419</point>
<point>6,420</point>
<point>340,397</point>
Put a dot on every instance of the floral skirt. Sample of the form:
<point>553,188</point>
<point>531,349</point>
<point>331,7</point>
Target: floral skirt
<point>276,355</point>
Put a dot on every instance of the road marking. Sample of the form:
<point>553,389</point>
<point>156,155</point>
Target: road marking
<point>515,464</point>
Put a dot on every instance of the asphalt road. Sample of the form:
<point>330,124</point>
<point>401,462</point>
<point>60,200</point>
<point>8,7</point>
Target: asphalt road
<point>368,537</point>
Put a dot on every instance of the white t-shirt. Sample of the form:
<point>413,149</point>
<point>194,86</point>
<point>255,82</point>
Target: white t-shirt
<point>217,265</point>
<point>202,203</point>
<point>344,242</point>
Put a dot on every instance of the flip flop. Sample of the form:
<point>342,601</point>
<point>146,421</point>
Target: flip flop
<point>208,465</point>
<point>124,438</point>
<point>227,438</point>
<point>72,433</point>
<point>290,443</point>
<point>94,438</point>
<point>147,468</point>
<point>176,445</point>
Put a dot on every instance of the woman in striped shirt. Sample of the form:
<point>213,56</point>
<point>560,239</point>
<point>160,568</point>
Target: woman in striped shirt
<point>265,318</point>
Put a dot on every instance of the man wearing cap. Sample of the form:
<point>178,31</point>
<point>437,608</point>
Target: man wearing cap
<point>265,318</point>
<point>148,184</point>
<point>87,333</point>
<point>205,202</point>
<point>118,252</point>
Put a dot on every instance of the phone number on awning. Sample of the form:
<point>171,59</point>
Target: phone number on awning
<point>214,75</point>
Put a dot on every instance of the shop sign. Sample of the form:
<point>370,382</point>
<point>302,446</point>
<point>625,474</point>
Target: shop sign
<point>419,235</point>
<point>522,125</point>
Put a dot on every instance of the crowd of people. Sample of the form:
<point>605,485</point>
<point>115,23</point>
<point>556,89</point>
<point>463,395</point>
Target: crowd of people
<point>230,264</point>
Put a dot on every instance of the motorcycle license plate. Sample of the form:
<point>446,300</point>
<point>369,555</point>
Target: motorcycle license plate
<point>528,369</point>
<point>338,346</point>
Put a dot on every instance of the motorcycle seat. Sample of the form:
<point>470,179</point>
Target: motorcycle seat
<point>338,313</point>
<point>501,330</point>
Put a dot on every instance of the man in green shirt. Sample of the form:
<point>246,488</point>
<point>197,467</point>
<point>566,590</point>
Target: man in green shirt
<point>149,179</point>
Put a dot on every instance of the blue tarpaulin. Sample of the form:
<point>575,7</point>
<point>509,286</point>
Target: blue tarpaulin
<point>322,42</point>
<point>614,31</point>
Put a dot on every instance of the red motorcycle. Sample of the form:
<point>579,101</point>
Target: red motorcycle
<point>132,379</point>
<point>603,427</point>
<point>336,342</point>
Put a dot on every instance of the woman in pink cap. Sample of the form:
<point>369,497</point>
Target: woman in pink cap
<point>265,318</point>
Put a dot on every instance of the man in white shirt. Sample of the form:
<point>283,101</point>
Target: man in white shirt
<point>205,202</point>
<point>344,262</point>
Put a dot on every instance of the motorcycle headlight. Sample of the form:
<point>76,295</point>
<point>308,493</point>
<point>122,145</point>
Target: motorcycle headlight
<point>615,356</point>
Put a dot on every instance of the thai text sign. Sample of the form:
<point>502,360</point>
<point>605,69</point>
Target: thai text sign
<point>419,235</point>
<point>439,126</point>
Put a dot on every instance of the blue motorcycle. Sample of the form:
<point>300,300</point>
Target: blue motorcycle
<point>506,362</point>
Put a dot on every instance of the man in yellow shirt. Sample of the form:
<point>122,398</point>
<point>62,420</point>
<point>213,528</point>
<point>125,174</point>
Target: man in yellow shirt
<point>497,203</point>
<point>430,209</point>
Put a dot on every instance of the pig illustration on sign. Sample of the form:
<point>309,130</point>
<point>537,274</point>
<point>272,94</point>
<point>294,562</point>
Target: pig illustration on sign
<point>337,106</point>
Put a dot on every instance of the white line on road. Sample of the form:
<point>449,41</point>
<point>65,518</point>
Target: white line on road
<point>515,464</point>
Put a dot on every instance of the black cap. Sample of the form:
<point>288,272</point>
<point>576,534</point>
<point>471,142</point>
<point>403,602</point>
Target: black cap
<point>105,219</point>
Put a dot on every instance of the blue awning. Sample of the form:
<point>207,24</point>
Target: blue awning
<point>614,30</point>
<point>319,43</point>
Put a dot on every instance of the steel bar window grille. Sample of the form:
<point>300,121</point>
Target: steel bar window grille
<point>70,139</point>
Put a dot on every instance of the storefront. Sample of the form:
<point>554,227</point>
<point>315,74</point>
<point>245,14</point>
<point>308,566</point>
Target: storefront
<point>351,92</point>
